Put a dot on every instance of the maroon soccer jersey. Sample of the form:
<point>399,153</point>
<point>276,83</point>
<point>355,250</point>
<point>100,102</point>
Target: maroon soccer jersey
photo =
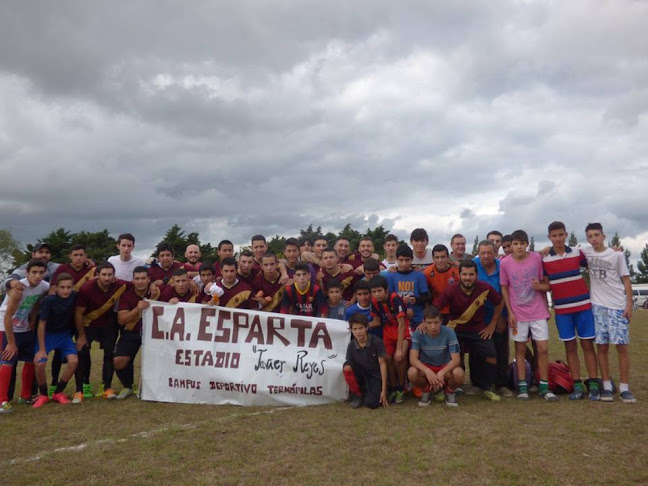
<point>467,310</point>
<point>99,304</point>
<point>156,272</point>
<point>274,290</point>
<point>237,296</point>
<point>192,267</point>
<point>128,301</point>
<point>249,279</point>
<point>217,270</point>
<point>347,279</point>
<point>353,259</point>
<point>170,293</point>
<point>79,277</point>
<point>310,303</point>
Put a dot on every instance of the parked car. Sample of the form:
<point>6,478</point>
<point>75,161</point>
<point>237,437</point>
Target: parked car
<point>640,295</point>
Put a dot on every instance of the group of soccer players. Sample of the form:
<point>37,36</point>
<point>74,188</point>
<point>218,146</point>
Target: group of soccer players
<point>413,315</point>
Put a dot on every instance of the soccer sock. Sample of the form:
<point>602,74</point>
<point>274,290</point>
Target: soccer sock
<point>607,385</point>
<point>578,385</point>
<point>522,386</point>
<point>5,378</point>
<point>624,387</point>
<point>543,387</point>
<point>350,378</point>
<point>61,386</point>
<point>27,380</point>
<point>593,384</point>
<point>56,367</point>
<point>43,389</point>
<point>126,377</point>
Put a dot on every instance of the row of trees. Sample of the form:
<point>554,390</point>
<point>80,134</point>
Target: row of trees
<point>101,244</point>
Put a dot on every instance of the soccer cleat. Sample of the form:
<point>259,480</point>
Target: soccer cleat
<point>87,390</point>
<point>399,398</point>
<point>577,394</point>
<point>439,396</point>
<point>523,395</point>
<point>6,407</point>
<point>549,396</point>
<point>607,396</point>
<point>40,401</point>
<point>100,391</point>
<point>505,391</point>
<point>594,394</point>
<point>492,396</point>
<point>354,400</point>
<point>61,398</point>
<point>459,391</point>
<point>451,400</point>
<point>627,397</point>
<point>77,398</point>
<point>425,399</point>
<point>125,393</point>
<point>26,401</point>
<point>51,390</point>
<point>472,390</point>
<point>109,394</point>
<point>391,396</point>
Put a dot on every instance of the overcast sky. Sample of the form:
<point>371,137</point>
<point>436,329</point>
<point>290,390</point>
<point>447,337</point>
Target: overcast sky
<point>244,117</point>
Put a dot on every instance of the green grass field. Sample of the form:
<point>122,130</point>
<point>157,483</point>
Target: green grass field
<point>511,442</point>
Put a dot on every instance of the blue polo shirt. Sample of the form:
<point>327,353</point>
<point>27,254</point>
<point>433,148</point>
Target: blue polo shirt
<point>493,280</point>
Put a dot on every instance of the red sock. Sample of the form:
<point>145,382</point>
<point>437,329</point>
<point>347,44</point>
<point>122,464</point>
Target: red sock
<point>5,379</point>
<point>350,379</point>
<point>27,380</point>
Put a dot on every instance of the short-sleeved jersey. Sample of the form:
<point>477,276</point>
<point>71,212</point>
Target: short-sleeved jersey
<point>406,284</point>
<point>99,304</point>
<point>248,280</point>
<point>192,267</point>
<point>313,273</point>
<point>311,302</point>
<point>79,277</point>
<point>30,297</point>
<point>425,261</point>
<point>527,304</point>
<point>494,280</point>
<point>156,272</point>
<point>438,281</point>
<point>354,259</point>
<point>348,280</point>
<point>366,311</point>
<point>366,358</point>
<point>436,350</point>
<point>237,296</point>
<point>568,288</point>
<point>129,300</point>
<point>169,293</point>
<point>58,313</point>
<point>467,310</point>
<point>389,311</point>
<point>337,311</point>
<point>606,269</point>
<point>274,290</point>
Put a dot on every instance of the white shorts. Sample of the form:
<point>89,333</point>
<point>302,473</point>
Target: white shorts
<point>539,331</point>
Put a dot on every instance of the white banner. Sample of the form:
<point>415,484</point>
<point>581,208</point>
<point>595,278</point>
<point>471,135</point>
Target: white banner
<point>206,354</point>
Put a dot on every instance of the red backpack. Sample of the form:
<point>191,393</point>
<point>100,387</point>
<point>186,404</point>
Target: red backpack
<point>560,378</point>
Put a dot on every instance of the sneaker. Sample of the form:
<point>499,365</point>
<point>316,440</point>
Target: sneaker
<point>6,407</point>
<point>26,401</point>
<point>425,399</point>
<point>61,398</point>
<point>505,391</point>
<point>439,396</point>
<point>472,390</point>
<point>355,402</point>
<point>451,400</point>
<point>100,391</point>
<point>607,396</point>
<point>109,394</point>
<point>77,398</point>
<point>125,393</point>
<point>549,396</point>
<point>51,390</point>
<point>40,401</point>
<point>399,398</point>
<point>459,391</point>
<point>391,396</point>
<point>534,389</point>
<point>492,396</point>
<point>577,394</point>
<point>594,394</point>
<point>87,390</point>
<point>627,397</point>
<point>523,396</point>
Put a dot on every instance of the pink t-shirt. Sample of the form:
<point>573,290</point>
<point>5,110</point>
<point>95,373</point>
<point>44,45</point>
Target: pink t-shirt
<point>527,304</point>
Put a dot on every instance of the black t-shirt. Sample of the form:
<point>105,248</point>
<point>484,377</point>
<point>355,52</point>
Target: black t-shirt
<point>365,359</point>
<point>58,312</point>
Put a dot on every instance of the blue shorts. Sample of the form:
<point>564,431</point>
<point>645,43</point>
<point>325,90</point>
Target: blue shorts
<point>611,326</point>
<point>57,340</point>
<point>576,323</point>
<point>24,342</point>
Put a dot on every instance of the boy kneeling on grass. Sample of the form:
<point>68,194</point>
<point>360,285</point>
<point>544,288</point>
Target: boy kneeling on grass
<point>365,369</point>
<point>435,359</point>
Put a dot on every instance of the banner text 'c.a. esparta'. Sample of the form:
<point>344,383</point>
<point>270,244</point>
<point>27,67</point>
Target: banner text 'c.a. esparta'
<point>227,326</point>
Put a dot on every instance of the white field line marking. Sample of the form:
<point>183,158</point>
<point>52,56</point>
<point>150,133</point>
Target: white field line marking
<point>139,435</point>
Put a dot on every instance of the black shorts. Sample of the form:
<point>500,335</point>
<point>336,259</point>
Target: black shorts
<point>370,385</point>
<point>471,342</point>
<point>128,344</point>
<point>105,336</point>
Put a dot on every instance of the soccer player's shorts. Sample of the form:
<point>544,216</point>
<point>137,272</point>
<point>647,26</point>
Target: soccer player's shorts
<point>471,340</point>
<point>611,326</point>
<point>575,323</point>
<point>24,343</point>
<point>539,331</point>
<point>390,338</point>
<point>129,343</point>
<point>105,336</point>
<point>57,340</point>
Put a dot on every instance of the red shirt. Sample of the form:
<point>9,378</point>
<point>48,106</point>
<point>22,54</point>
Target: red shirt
<point>78,277</point>
<point>467,310</point>
<point>191,267</point>
<point>170,293</point>
<point>128,301</point>
<point>99,304</point>
<point>237,296</point>
<point>274,290</point>
<point>347,279</point>
<point>156,272</point>
<point>311,303</point>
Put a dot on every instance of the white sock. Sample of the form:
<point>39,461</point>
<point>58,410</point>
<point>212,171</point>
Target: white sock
<point>607,385</point>
<point>624,387</point>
